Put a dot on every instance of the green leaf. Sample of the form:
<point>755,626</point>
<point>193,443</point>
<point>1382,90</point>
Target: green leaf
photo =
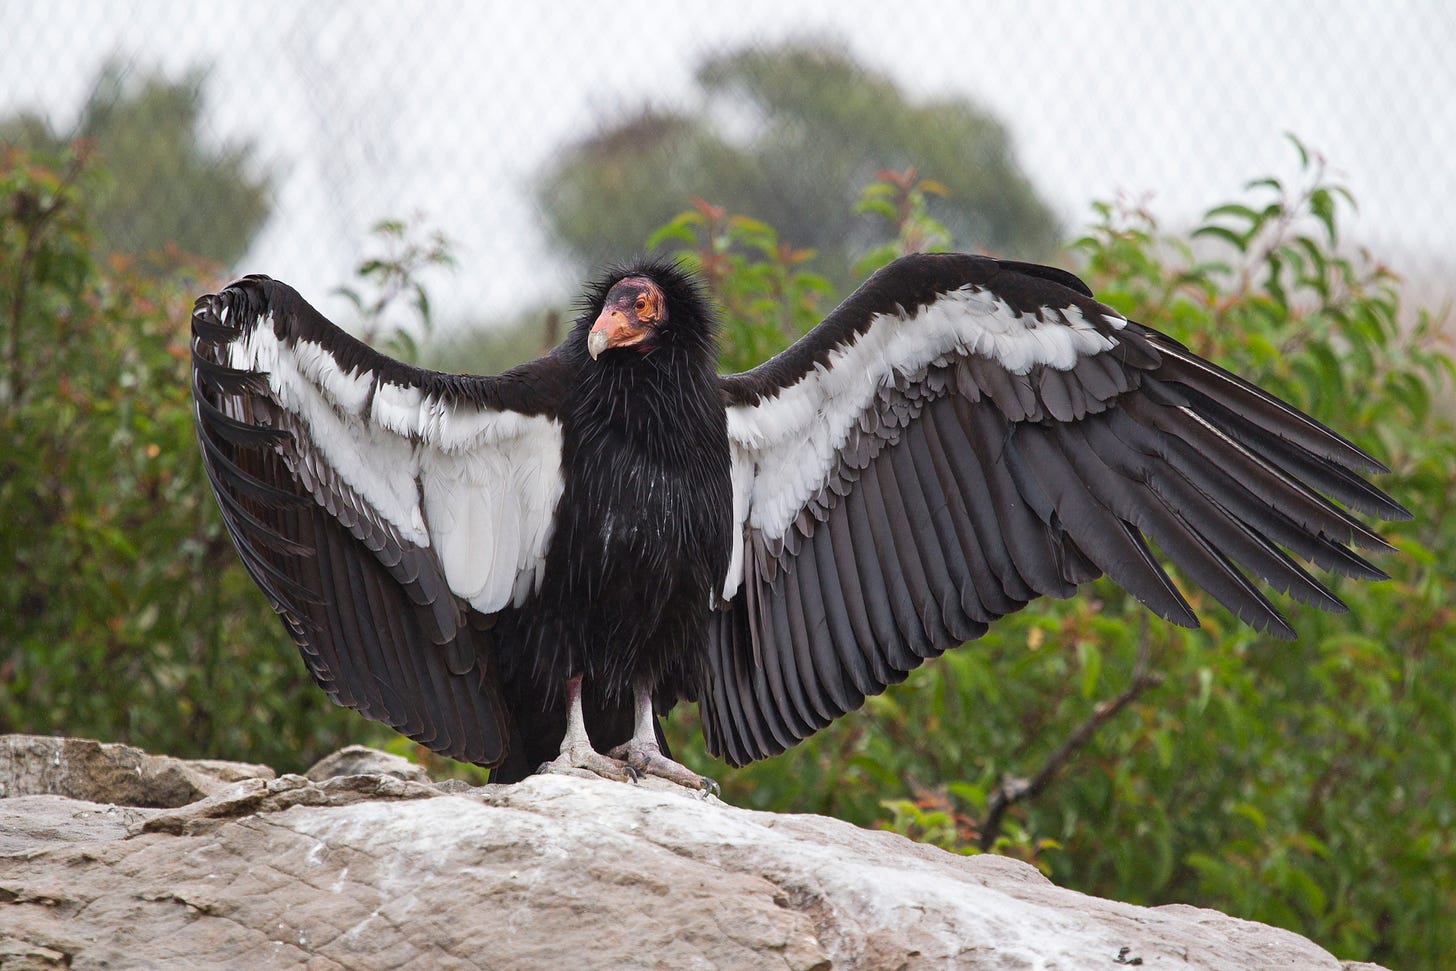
<point>672,232</point>
<point>1253,814</point>
<point>1298,147</point>
<point>1239,241</point>
<point>878,207</point>
<point>1238,210</point>
<point>1090,660</point>
<point>1322,204</point>
<point>1205,690</point>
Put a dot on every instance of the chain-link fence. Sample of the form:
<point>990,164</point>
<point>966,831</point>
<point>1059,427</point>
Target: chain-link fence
<point>453,113</point>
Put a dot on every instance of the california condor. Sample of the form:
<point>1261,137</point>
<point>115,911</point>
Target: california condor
<point>532,567</point>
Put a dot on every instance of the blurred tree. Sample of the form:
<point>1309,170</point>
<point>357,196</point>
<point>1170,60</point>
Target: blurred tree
<point>790,135</point>
<point>125,615</point>
<point>166,185</point>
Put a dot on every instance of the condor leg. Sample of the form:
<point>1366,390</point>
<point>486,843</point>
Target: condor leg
<point>576,747</point>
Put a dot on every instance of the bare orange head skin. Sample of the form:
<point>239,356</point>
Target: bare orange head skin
<point>635,307</point>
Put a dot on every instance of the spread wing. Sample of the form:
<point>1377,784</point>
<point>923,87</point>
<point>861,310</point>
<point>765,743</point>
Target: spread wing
<point>387,512</point>
<point>963,435</point>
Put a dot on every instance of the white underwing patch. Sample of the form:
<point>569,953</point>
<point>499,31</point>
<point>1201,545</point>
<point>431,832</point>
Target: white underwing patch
<point>479,486</point>
<point>784,447</point>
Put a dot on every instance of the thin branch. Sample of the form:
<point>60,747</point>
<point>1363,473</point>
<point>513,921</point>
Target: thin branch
<point>1012,791</point>
<point>550,330</point>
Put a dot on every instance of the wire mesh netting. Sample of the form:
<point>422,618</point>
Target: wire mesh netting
<point>453,114</point>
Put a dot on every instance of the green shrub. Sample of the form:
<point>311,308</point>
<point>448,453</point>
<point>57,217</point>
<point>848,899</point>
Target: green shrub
<point>125,614</point>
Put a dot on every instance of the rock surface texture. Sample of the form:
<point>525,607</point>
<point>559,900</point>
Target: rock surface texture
<point>383,871</point>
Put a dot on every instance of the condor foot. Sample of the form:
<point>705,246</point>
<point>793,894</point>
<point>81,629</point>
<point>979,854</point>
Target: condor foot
<point>588,758</point>
<point>645,758</point>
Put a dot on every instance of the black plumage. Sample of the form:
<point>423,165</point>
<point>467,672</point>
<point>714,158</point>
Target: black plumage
<point>641,532</point>
<point>489,563</point>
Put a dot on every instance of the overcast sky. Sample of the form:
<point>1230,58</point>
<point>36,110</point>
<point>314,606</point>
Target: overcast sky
<point>364,110</point>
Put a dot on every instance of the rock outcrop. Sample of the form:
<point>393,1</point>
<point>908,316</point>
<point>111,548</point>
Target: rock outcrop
<point>383,870</point>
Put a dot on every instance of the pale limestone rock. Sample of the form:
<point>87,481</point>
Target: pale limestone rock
<point>362,760</point>
<point>557,871</point>
<point>81,768</point>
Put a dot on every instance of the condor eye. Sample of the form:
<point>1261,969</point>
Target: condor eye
<point>640,305</point>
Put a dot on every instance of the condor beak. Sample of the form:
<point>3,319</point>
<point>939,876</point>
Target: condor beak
<point>612,329</point>
<point>596,341</point>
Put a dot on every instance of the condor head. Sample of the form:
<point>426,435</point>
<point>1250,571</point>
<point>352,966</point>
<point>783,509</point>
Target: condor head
<point>633,315</point>
<point>645,307</point>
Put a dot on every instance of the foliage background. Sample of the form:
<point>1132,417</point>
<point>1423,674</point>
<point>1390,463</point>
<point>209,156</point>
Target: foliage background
<point>1310,785</point>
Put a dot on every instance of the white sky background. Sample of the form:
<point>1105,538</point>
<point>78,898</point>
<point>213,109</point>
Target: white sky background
<point>366,110</point>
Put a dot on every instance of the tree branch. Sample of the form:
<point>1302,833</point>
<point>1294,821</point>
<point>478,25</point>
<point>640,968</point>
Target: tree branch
<point>1014,790</point>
